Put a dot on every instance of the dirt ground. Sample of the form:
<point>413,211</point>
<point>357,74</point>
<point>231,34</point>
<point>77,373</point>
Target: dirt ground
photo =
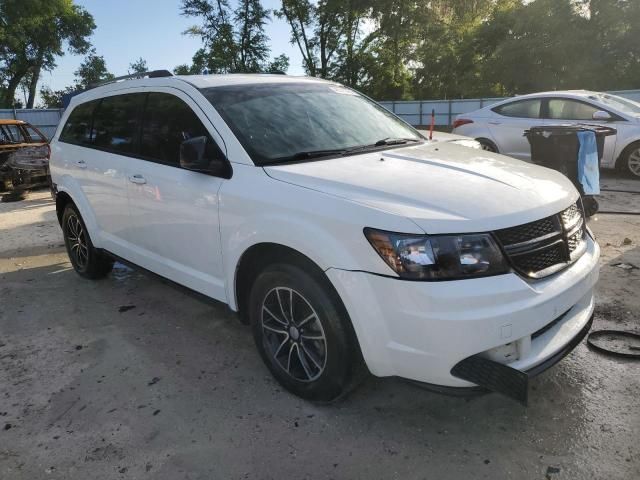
<point>131,378</point>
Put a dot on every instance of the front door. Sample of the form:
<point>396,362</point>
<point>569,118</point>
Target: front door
<point>569,111</point>
<point>174,211</point>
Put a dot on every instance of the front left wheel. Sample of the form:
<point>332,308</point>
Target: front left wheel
<point>303,333</point>
<point>86,260</point>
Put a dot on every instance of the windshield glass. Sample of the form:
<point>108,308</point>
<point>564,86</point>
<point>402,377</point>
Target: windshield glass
<point>280,121</point>
<point>621,104</point>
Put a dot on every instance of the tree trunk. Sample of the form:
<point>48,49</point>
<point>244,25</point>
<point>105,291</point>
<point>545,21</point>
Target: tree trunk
<point>35,76</point>
<point>10,93</point>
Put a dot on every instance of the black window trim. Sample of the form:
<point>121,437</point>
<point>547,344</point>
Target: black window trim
<point>521,100</point>
<point>545,110</point>
<point>141,115</point>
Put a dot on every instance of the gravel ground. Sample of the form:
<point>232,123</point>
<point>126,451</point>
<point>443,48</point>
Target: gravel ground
<point>128,377</point>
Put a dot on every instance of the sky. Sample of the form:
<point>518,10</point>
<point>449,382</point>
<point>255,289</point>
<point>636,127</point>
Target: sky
<point>152,29</point>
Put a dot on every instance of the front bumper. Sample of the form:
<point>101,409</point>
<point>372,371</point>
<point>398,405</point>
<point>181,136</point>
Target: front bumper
<point>421,330</point>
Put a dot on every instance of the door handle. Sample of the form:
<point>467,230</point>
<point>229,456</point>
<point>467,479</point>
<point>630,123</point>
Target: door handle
<point>494,123</point>
<point>81,164</point>
<point>139,179</point>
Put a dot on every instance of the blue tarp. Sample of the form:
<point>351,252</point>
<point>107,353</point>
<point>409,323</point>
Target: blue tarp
<point>588,168</point>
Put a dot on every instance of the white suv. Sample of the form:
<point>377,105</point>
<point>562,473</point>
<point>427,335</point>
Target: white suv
<point>336,230</point>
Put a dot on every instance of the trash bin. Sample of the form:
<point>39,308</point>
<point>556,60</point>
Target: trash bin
<point>558,147</point>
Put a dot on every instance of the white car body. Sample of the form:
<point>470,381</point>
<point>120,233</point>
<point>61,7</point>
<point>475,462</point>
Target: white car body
<point>506,132</point>
<point>146,212</point>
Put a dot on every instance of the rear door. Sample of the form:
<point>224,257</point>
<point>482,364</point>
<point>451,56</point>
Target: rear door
<point>113,144</point>
<point>509,122</point>
<point>174,211</point>
<point>560,110</point>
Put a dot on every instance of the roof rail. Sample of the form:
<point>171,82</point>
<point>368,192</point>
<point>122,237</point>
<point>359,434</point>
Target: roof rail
<point>151,74</point>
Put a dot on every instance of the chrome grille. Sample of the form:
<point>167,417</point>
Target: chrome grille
<point>543,247</point>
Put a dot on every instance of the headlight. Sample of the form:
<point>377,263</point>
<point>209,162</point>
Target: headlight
<point>438,257</point>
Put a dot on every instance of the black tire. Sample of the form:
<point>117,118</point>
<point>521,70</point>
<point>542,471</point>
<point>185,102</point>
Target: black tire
<point>86,260</point>
<point>487,145</point>
<point>630,160</point>
<point>319,370</point>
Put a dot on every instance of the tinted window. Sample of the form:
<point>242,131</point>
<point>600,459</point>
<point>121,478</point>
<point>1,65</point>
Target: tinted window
<point>565,109</point>
<point>78,127</point>
<point>116,123</point>
<point>521,109</point>
<point>279,122</point>
<point>168,121</point>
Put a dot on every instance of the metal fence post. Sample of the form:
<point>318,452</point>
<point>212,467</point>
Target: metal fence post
<point>420,120</point>
<point>450,122</point>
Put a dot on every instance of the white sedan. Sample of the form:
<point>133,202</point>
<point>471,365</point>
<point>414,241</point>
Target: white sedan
<point>500,127</point>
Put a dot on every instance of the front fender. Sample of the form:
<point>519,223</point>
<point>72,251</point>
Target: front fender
<point>255,208</point>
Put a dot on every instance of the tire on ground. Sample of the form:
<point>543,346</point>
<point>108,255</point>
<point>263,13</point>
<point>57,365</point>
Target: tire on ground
<point>90,263</point>
<point>343,366</point>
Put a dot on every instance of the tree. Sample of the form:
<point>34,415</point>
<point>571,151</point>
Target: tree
<point>139,66</point>
<point>53,98</point>
<point>234,40</point>
<point>33,34</point>
<point>91,71</point>
<point>318,29</point>
<point>252,43</point>
<point>280,64</point>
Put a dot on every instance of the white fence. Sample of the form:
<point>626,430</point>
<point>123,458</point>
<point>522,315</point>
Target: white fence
<point>46,120</point>
<point>418,112</point>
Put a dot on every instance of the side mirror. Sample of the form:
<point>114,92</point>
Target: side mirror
<point>196,155</point>
<point>192,154</point>
<point>602,116</point>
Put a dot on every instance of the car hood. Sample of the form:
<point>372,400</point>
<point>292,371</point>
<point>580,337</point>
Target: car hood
<point>443,188</point>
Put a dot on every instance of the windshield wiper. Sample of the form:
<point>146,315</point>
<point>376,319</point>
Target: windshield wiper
<point>308,154</point>
<point>394,141</point>
<point>383,142</point>
<point>314,154</point>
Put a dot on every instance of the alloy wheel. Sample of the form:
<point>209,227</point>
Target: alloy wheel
<point>293,335</point>
<point>634,162</point>
<point>77,241</point>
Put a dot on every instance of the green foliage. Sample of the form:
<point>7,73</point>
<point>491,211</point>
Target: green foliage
<point>234,40</point>
<point>139,66</point>
<point>403,49</point>
<point>33,34</point>
<point>92,70</point>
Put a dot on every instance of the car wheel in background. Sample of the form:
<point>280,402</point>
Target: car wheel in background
<point>303,333</point>
<point>631,160</point>
<point>85,259</point>
<point>487,145</point>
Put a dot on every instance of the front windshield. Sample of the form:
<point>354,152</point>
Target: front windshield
<point>621,104</point>
<point>277,122</point>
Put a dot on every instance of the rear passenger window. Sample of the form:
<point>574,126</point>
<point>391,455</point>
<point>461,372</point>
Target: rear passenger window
<point>168,121</point>
<point>521,109</point>
<point>78,127</point>
<point>116,123</point>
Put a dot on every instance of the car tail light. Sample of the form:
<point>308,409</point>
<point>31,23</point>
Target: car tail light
<point>461,121</point>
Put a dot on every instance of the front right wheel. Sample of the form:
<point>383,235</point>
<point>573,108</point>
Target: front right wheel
<point>303,333</point>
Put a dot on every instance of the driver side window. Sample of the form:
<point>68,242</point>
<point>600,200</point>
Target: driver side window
<point>167,122</point>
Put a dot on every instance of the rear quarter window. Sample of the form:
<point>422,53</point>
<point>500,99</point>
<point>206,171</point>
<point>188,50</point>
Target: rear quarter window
<point>77,129</point>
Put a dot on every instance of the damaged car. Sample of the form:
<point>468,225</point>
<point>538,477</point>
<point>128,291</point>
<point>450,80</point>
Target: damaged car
<point>24,156</point>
